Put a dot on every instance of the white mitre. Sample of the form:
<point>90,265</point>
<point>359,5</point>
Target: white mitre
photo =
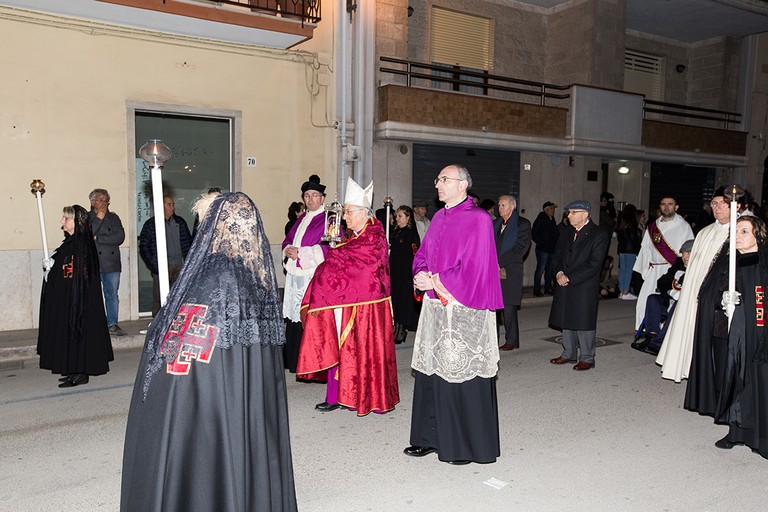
<point>358,196</point>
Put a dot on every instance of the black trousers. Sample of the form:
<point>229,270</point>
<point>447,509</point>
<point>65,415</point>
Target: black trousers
<point>460,420</point>
<point>511,327</point>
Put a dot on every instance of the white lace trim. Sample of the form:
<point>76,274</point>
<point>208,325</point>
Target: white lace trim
<point>455,342</point>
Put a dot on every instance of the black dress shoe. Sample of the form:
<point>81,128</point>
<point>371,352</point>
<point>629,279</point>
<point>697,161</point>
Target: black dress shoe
<point>326,407</point>
<point>724,444</point>
<point>63,378</point>
<point>419,451</point>
<point>538,294</point>
<point>74,380</point>
<point>458,462</point>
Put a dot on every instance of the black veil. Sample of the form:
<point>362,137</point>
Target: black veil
<point>228,271</point>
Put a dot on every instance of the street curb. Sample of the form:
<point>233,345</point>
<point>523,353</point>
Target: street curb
<point>30,351</point>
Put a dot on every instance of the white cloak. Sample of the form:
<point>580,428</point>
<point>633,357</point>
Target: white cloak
<point>677,350</point>
<point>651,264</point>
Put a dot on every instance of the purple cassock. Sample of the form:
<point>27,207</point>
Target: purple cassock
<point>459,246</point>
<point>312,235</point>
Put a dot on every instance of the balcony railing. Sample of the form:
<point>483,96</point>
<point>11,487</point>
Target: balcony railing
<point>462,79</point>
<point>305,10</point>
<point>683,111</point>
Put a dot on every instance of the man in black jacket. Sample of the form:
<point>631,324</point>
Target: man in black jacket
<point>178,241</point>
<point>545,236</point>
<point>512,234</point>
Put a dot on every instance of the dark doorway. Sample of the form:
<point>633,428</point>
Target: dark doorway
<point>691,186</point>
<point>494,172</point>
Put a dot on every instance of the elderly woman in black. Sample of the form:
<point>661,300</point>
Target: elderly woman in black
<point>73,339</point>
<point>404,240</point>
<point>743,397</point>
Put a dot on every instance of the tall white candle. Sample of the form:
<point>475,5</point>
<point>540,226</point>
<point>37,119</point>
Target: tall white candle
<point>732,253</point>
<point>162,250</point>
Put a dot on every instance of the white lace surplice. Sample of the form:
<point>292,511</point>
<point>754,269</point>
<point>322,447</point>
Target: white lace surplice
<point>455,342</point>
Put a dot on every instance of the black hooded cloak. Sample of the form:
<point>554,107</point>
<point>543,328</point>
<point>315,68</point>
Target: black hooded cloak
<point>208,423</point>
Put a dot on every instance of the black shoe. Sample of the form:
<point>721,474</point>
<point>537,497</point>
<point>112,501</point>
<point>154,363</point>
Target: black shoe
<point>419,451</point>
<point>63,378</point>
<point>74,380</point>
<point>538,294</point>
<point>724,444</point>
<point>326,407</point>
<point>549,292</point>
<point>458,462</point>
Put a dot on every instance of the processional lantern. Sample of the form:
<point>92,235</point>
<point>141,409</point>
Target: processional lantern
<point>333,213</point>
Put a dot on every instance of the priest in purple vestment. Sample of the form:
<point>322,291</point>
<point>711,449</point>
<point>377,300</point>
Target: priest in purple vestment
<point>456,352</point>
<point>303,251</point>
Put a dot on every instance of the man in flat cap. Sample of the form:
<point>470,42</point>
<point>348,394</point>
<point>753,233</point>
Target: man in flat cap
<point>577,263</point>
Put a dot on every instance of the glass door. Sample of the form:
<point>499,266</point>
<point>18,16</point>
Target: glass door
<point>201,158</point>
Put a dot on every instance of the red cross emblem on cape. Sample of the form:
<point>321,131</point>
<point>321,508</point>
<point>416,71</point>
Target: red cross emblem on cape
<point>188,339</point>
<point>68,268</point>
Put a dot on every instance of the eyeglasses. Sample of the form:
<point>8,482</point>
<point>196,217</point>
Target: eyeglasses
<point>349,211</point>
<point>718,204</point>
<point>444,179</point>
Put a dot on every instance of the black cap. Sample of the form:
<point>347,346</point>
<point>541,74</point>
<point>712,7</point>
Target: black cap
<point>313,183</point>
<point>548,204</point>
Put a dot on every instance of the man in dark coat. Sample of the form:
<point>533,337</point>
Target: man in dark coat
<point>178,241</point>
<point>544,234</point>
<point>577,263</point>
<point>512,234</point>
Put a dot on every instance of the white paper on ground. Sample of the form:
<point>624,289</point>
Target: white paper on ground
<point>496,483</point>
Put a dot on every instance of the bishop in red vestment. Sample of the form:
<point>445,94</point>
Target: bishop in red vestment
<point>347,310</point>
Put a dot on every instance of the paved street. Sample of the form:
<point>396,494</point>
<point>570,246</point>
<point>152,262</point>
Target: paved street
<point>613,438</point>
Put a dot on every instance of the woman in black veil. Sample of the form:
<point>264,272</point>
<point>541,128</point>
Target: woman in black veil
<point>208,423</point>
<point>73,339</point>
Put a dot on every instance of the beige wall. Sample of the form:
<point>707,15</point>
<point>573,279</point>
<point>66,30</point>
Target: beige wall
<point>64,101</point>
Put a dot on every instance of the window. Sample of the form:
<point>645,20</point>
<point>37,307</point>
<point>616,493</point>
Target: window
<point>464,42</point>
<point>643,74</point>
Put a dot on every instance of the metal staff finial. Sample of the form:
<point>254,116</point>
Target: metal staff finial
<point>388,208</point>
<point>38,189</point>
<point>37,186</point>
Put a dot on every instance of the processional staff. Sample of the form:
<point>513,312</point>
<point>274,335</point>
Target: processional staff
<point>38,189</point>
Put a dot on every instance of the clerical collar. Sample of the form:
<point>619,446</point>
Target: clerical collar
<point>457,204</point>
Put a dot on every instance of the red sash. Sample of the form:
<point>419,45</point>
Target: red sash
<point>660,243</point>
